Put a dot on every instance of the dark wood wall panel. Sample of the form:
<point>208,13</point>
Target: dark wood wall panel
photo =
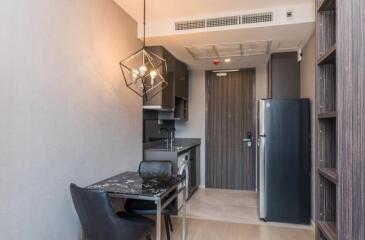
<point>351,119</point>
<point>327,144</point>
<point>326,21</point>
<point>327,88</point>
<point>230,163</point>
<point>328,198</point>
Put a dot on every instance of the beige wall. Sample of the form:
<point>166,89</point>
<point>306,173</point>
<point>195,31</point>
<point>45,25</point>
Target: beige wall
<point>195,127</point>
<point>307,90</point>
<point>65,115</point>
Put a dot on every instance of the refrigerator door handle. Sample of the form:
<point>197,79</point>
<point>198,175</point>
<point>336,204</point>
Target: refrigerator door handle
<point>262,160</point>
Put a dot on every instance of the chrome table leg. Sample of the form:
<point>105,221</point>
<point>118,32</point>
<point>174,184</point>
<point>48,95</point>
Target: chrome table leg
<point>158,220</point>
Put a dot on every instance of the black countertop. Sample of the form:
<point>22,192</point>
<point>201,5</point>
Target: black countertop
<point>181,145</point>
<point>130,183</point>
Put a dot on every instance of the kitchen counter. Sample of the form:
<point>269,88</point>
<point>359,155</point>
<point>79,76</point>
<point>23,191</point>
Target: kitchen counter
<point>181,145</point>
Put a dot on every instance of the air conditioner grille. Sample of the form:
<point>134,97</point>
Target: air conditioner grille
<point>186,25</point>
<point>257,18</point>
<point>222,21</point>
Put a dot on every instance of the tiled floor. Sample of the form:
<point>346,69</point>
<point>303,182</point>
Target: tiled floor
<point>233,215</point>
<point>224,205</point>
<point>215,230</point>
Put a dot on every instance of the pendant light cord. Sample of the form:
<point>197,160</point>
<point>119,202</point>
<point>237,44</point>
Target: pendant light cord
<point>144,23</point>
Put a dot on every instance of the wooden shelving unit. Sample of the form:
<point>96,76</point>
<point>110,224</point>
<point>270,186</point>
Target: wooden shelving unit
<point>328,229</point>
<point>329,173</point>
<point>326,115</point>
<point>329,57</point>
<point>325,5</point>
<point>326,126</point>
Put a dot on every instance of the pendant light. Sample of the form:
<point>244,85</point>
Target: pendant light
<point>144,71</point>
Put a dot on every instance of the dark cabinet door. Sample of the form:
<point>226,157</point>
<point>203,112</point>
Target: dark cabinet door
<point>284,76</point>
<point>181,80</point>
<point>166,98</point>
<point>194,170</point>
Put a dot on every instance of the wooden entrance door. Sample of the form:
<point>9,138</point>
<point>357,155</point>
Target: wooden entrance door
<point>230,161</point>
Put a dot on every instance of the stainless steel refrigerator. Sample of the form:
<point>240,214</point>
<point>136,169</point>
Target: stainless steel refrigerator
<point>284,160</point>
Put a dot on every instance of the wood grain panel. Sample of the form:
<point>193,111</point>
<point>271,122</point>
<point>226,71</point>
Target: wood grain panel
<point>351,119</point>
<point>326,146</point>
<point>326,31</point>
<point>326,127</point>
<point>230,115</point>
<point>327,88</point>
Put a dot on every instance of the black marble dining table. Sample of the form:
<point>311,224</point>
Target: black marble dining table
<point>129,185</point>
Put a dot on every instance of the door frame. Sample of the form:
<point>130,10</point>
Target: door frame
<point>254,120</point>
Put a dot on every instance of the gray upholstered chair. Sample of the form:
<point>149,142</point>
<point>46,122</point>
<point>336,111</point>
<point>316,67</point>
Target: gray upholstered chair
<point>153,169</point>
<point>99,220</point>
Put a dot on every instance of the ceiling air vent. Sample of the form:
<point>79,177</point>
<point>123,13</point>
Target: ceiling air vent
<point>257,18</point>
<point>186,25</point>
<point>223,21</point>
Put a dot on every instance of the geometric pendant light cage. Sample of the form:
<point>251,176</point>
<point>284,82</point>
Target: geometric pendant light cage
<point>144,71</point>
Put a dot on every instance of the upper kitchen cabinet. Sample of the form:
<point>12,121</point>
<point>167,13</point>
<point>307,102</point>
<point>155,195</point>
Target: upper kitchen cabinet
<point>284,76</point>
<point>181,80</point>
<point>164,100</point>
<point>172,102</point>
<point>181,91</point>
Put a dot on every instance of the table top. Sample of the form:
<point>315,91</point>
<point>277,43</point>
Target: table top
<point>130,183</point>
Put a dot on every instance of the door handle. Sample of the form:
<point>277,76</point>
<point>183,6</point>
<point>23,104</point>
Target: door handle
<point>248,140</point>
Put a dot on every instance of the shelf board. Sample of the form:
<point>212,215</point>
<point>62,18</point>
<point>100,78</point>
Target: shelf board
<point>329,173</point>
<point>329,57</point>
<point>326,115</point>
<point>328,229</point>
<point>327,5</point>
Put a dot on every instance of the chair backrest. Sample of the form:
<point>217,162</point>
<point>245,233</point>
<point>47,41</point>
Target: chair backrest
<point>155,169</point>
<point>96,213</point>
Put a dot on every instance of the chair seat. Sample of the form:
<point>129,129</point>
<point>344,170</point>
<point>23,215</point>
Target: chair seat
<point>133,217</point>
<point>145,207</point>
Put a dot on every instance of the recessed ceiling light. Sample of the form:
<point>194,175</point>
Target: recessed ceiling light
<point>227,60</point>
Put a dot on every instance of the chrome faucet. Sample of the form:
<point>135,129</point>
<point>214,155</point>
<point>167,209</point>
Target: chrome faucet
<point>172,136</point>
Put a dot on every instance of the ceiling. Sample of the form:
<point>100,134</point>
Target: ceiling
<point>246,45</point>
<point>162,9</point>
<point>275,38</point>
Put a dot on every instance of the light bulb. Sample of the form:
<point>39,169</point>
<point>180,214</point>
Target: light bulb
<point>153,77</point>
<point>134,75</point>
<point>142,70</point>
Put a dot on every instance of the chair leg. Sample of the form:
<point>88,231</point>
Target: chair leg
<point>167,227</point>
<point>170,223</point>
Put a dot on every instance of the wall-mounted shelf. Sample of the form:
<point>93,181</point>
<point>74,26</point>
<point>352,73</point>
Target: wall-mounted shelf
<point>329,57</point>
<point>329,173</point>
<point>327,5</point>
<point>328,229</point>
<point>327,115</point>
